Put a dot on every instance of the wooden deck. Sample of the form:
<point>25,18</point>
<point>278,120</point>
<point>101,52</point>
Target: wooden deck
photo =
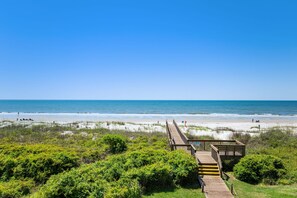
<point>210,166</point>
<point>204,157</point>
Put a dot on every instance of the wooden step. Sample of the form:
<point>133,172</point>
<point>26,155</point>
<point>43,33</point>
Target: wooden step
<point>208,164</point>
<point>208,170</point>
<point>208,167</point>
<point>209,173</point>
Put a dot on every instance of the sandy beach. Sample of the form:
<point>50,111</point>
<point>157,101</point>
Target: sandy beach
<point>216,125</point>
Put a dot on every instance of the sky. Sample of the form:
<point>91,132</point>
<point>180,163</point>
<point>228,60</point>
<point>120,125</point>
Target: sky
<point>148,49</point>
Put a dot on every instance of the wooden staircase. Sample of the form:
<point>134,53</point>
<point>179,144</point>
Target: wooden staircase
<point>208,169</point>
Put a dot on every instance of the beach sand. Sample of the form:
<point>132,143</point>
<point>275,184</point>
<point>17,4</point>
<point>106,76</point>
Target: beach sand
<point>218,126</point>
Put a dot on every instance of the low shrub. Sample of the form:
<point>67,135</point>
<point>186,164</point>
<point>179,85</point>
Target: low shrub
<point>124,175</point>
<point>74,184</point>
<point>117,143</point>
<point>257,168</point>
<point>150,175</point>
<point>15,188</point>
<point>124,188</point>
<point>37,164</point>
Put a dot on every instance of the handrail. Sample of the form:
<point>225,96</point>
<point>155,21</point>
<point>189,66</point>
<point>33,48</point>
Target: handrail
<point>218,159</point>
<point>198,140</point>
<point>214,148</point>
<point>240,143</point>
<point>167,130</point>
<point>193,149</point>
<point>236,150</point>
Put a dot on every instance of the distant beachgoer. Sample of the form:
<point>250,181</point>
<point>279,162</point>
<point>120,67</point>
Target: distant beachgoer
<point>253,120</point>
<point>185,123</point>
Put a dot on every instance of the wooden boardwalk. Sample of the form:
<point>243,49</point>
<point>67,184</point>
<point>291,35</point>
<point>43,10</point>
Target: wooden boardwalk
<point>175,135</point>
<point>215,187</point>
<point>209,173</point>
<point>204,157</point>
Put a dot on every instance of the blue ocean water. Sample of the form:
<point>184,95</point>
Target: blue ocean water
<point>150,107</point>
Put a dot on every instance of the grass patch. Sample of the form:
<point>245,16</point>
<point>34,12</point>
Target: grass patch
<point>245,190</point>
<point>186,192</point>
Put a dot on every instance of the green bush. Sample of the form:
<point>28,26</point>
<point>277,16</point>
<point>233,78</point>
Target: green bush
<point>150,175</point>
<point>257,168</point>
<point>124,188</point>
<point>123,175</point>
<point>184,167</point>
<point>20,162</point>
<point>15,188</point>
<point>74,184</point>
<point>117,143</point>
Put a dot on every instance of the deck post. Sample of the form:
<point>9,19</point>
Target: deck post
<point>226,150</point>
<point>234,151</point>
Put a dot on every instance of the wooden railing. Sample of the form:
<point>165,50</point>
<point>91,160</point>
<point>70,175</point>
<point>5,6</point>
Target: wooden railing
<point>216,156</point>
<point>173,144</point>
<point>231,150</point>
<point>204,145</point>
<point>189,147</point>
<point>170,140</point>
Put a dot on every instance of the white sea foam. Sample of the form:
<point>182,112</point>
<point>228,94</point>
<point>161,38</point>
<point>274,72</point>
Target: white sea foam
<point>145,115</point>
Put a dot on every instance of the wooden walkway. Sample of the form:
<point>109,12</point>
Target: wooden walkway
<point>175,135</point>
<point>212,184</point>
<point>204,157</point>
<point>215,187</point>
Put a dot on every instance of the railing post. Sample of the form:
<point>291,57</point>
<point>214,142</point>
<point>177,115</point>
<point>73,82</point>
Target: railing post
<point>234,151</point>
<point>204,146</point>
<point>226,150</point>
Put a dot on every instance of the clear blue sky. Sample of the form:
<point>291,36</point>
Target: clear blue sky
<point>148,49</point>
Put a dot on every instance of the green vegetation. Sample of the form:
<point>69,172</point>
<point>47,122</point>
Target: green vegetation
<point>245,190</point>
<point>186,192</point>
<point>256,168</point>
<point>126,175</point>
<point>38,162</point>
<point>281,143</point>
<point>15,188</point>
<point>271,162</point>
<point>116,143</point>
<point>54,161</point>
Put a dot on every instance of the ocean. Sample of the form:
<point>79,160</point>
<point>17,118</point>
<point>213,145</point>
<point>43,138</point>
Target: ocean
<point>162,107</point>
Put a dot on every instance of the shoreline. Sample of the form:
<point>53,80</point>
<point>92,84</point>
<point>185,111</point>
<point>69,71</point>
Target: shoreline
<point>190,118</point>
